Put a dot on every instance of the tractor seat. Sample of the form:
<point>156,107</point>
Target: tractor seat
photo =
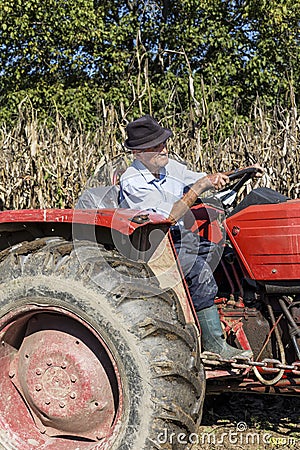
<point>99,197</point>
<point>102,189</point>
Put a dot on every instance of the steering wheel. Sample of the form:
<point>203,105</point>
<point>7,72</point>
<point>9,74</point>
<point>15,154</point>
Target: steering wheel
<point>244,174</point>
<point>228,194</point>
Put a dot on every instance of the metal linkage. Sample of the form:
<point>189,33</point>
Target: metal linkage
<point>268,365</point>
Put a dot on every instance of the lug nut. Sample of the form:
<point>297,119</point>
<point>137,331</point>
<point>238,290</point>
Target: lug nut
<point>63,365</point>
<point>11,374</point>
<point>100,406</point>
<point>73,378</point>
<point>72,395</point>
<point>62,405</point>
<point>38,387</point>
<point>49,362</point>
<point>38,371</point>
<point>47,402</point>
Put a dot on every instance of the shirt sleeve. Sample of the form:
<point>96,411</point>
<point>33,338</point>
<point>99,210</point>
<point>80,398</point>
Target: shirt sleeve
<point>180,171</point>
<point>191,177</point>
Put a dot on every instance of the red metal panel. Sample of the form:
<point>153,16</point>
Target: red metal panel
<point>207,222</point>
<point>118,219</point>
<point>267,240</point>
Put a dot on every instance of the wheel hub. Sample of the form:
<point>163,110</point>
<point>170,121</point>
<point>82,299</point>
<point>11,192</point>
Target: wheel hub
<point>56,383</point>
<point>64,384</point>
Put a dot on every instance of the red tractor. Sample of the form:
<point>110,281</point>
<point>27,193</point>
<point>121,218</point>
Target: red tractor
<point>100,344</point>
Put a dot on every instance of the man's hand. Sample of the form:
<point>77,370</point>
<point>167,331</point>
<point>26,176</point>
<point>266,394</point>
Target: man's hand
<point>218,180</point>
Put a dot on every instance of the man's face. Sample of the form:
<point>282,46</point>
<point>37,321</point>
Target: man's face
<point>153,158</point>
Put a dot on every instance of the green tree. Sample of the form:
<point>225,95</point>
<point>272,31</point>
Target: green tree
<point>240,49</point>
<point>275,49</point>
<point>212,57</point>
<point>68,52</point>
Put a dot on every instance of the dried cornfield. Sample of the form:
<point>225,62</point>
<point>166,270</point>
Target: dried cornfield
<point>48,167</point>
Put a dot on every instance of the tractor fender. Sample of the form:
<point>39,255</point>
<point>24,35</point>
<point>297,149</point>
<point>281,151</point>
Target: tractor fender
<point>104,225</point>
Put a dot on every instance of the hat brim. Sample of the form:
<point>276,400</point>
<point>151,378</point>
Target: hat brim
<point>149,144</point>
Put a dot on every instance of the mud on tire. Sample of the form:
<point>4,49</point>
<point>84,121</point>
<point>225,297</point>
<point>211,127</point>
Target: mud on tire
<point>152,357</point>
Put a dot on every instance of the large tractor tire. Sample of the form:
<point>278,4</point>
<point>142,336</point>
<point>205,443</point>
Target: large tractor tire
<point>83,367</point>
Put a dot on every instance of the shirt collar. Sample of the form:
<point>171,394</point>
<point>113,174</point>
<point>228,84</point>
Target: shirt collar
<point>149,177</point>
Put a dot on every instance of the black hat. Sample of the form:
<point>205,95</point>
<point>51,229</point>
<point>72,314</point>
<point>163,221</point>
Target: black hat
<point>144,133</point>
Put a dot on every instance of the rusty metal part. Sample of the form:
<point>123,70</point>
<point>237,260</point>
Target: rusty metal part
<point>243,322</point>
<point>270,365</point>
<point>286,386</point>
<point>294,329</point>
<point>280,373</point>
<point>140,218</point>
<point>57,378</point>
<point>63,385</point>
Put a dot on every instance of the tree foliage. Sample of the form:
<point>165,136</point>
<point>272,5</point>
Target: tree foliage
<point>212,57</point>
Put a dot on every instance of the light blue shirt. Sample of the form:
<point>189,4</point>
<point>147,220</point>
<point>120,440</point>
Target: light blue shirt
<point>141,190</point>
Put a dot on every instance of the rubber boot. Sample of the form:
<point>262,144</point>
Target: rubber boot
<point>212,335</point>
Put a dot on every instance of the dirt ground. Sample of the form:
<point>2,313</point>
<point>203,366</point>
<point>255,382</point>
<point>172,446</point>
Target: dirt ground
<point>248,422</point>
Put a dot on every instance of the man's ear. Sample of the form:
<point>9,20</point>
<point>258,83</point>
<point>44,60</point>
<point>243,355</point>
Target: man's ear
<point>136,154</point>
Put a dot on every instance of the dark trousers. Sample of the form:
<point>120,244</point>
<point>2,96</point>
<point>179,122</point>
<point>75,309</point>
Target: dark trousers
<point>198,257</point>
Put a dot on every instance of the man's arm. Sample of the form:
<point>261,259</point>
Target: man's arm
<point>217,181</point>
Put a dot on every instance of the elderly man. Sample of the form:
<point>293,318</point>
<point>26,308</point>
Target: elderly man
<point>157,183</point>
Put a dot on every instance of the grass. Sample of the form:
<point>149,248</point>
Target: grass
<point>249,422</point>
